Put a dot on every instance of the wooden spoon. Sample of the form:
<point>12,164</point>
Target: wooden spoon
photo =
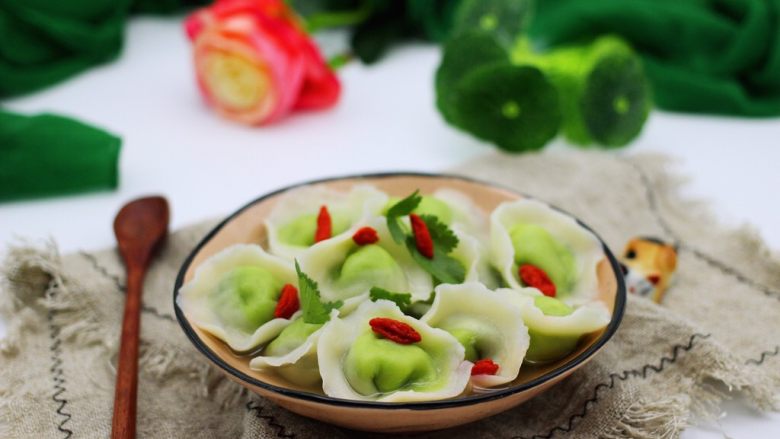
<point>140,227</point>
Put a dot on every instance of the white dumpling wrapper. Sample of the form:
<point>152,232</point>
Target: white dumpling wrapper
<point>339,334</point>
<point>193,296</point>
<point>320,261</point>
<point>360,202</point>
<point>585,247</point>
<point>473,305</point>
<point>586,318</point>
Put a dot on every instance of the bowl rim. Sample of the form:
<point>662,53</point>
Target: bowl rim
<point>617,313</point>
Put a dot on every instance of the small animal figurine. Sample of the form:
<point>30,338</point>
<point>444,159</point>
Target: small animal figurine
<point>648,265</point>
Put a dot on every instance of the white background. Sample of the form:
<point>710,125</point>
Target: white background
<point>207,167</point>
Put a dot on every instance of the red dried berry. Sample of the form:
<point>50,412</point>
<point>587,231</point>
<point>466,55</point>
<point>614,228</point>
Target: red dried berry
<point>365,235</point>
<point>324,225</point>
<point>288,302</point>
<point>422,236</point>
<point>394,330</point>
<point>484,367</point>
<point>534,276</point>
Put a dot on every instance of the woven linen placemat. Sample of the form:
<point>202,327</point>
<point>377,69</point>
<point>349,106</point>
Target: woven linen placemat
<point>716,331</point>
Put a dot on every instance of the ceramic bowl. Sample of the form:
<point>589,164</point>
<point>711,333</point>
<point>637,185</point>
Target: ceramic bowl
<point>246,226</point>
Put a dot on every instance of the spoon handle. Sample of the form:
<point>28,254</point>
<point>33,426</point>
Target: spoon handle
<point>123,423</point>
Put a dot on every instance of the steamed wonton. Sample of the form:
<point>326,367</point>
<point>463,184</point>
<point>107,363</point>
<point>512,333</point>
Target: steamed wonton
<point>292,223</point>
<point>486,323</point>
<point>555,327</point>
<point>530,232</point>
<point>345,270</point>
<point>234,293</point>
<point>357,363</point>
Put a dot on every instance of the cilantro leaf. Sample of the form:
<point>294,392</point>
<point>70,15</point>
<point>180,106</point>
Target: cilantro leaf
<point>444,239</point>
<point>442,267</point>
<point>399,209</point>
<point>403,300</point>
<point>315,311</point>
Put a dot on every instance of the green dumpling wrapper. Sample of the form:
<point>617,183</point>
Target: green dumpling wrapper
<point>536,246</point>
<point>375,365</point>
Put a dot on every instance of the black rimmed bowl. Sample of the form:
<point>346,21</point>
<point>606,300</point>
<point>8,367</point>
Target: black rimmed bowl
<point>246,226</point>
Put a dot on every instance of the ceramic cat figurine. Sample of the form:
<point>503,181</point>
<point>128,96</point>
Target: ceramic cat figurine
<point>648,266</point>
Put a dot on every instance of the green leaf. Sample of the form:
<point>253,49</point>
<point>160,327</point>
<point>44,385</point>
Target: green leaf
<point>403,300</point>
<point>314,310</point>
<point>461,55</point>
<point>442,267</point>
<point>443,237</point>
<point>515,107</point>
<point>504,19</point>
<point>399,209</point>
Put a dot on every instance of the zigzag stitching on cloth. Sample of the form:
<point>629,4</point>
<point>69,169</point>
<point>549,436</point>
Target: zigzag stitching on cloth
<point>58,376</point>
<point>622,376</point>
<point>121,286</point>
<point>724,268</point>
<point>281,431</point>
<point>764,355</point>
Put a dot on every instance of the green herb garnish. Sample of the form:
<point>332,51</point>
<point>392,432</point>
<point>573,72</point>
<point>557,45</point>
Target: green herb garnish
<point>315,311</point>
<point>398,210</point>
<point>403,300</point>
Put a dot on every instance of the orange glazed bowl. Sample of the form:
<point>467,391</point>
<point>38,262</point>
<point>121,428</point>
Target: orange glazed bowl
<point>247,226</point>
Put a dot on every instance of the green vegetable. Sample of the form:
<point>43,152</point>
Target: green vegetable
<point>371,265</point>
<point>246,297</point>
<point>291,337</point>
<point>605,95</point>
<point>314,310</point>
<point>403,300</point>
<point>504,19</point>
<point>462,54</point>
<point>534,245</point>
<point>515,107</point>
<point>377,365</point>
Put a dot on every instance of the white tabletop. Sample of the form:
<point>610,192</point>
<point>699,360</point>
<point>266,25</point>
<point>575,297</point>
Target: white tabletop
<point>206,167</point>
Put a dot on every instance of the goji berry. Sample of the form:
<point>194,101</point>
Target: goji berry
<point>484,367</point>
<point>394,330</point>
<point>534,276</point>
<point>365,235</point>
<point>288,302</point>
<point>324,226</point>
<point>422,236</point>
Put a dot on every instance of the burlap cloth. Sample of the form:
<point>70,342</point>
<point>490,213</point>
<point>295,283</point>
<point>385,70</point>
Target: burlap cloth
<point>718,329</point>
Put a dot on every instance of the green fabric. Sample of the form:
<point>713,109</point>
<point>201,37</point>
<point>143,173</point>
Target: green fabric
<point>706,56</point>
<point>43,42</point>
<point>48,155</point>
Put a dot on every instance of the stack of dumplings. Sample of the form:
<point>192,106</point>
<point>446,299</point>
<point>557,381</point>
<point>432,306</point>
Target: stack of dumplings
<point>371,297</point>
